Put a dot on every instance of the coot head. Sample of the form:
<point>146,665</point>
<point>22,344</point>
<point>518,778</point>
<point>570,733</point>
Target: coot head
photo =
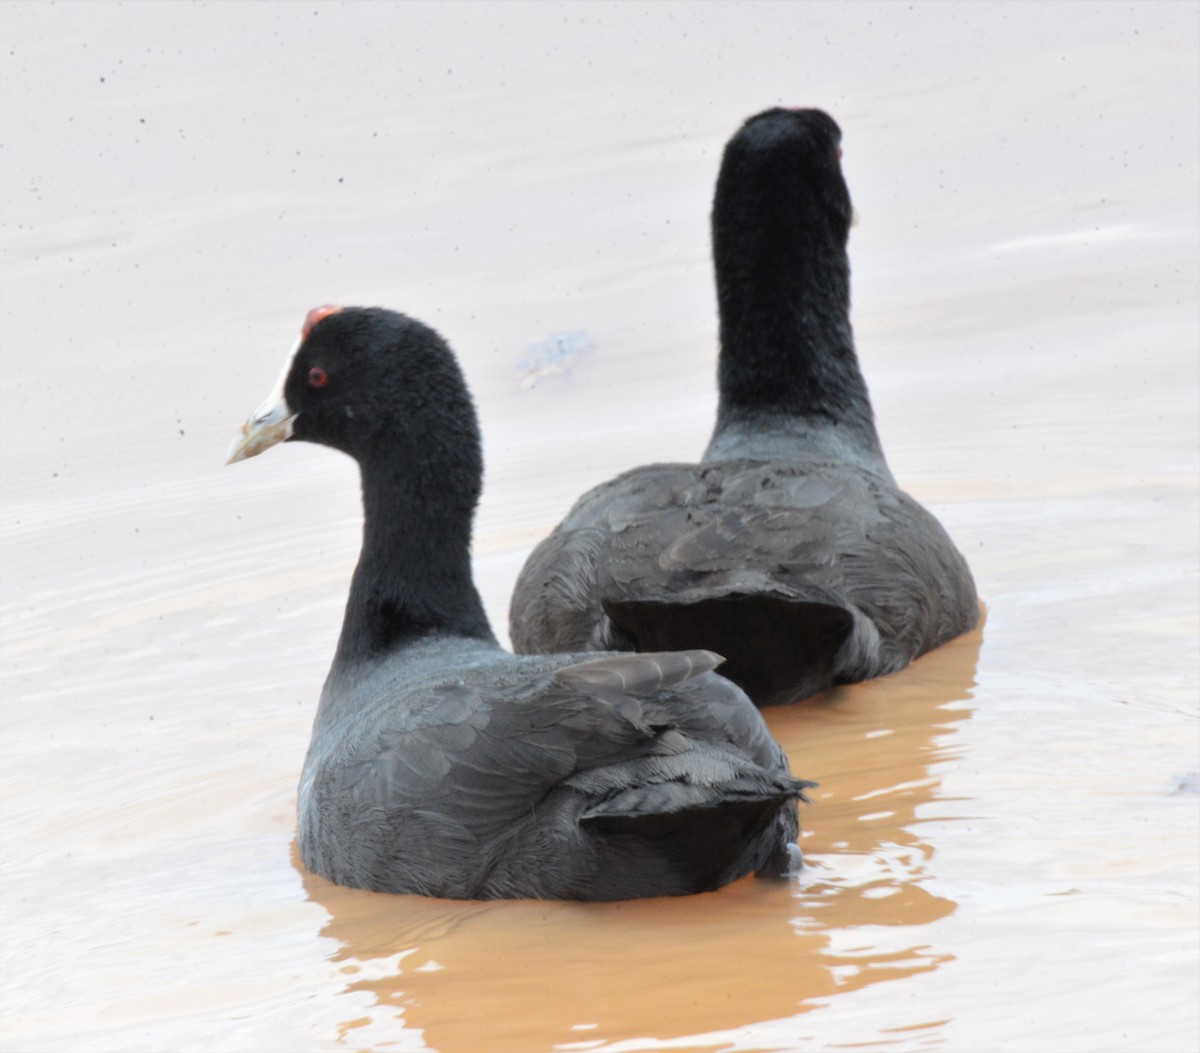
<point>787,160</point>
<point>378,385</point>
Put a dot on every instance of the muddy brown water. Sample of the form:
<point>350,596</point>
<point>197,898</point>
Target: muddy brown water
<point>1003,850</point>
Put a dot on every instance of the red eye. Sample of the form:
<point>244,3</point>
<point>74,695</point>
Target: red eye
<point>317,377</point>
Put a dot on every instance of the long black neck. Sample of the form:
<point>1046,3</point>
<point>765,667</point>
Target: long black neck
<point>783,289</point>
<point>413,577</point>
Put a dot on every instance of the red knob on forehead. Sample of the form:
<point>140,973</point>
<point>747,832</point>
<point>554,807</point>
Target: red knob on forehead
<point>315,315</point>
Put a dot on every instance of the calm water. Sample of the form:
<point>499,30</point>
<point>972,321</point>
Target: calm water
<point>1003,850</point>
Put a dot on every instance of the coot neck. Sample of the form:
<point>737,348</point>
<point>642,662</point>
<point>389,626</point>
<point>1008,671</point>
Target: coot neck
<point>787,348</point>
<point>413,577</point>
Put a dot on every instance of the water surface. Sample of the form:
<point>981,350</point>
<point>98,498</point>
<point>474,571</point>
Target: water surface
<point>1003,848</point>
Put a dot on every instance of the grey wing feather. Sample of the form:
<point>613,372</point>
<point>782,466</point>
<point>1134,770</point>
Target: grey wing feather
<point>554,606</point>
<point>640,674</point>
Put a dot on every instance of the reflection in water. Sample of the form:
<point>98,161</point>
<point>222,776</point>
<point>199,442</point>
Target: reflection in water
<point>521,976</point>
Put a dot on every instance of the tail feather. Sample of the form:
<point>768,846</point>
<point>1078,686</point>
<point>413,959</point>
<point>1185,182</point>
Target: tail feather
<point>706,847</point>
<point>706,816</point>
<point>780,649</point>
<point>674,798</point>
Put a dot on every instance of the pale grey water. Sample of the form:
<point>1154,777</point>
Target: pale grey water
<point>1004,847</point>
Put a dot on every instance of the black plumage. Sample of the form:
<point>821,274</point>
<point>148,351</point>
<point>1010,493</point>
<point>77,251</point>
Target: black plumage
<point>789,548</point>
<point>441,764</point>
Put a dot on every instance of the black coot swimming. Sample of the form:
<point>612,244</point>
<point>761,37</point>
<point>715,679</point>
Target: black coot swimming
<point>789,549</point>
<point>441,764</point>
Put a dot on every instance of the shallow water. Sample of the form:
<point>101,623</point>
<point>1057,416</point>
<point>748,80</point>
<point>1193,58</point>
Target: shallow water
<point>1003,850</point>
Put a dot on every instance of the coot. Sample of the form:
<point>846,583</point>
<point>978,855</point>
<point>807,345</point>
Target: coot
<point>789,549</point>
<point>441,764</point>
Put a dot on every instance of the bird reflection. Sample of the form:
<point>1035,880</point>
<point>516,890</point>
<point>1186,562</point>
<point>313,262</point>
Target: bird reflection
<point>516,976</point>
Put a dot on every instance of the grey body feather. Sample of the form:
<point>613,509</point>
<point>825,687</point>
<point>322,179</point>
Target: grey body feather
<point>568,777</point>
<point>809,536</point>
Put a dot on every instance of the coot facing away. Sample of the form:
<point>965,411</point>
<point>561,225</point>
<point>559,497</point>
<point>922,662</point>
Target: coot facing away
<point>439,763</point>
<point>789,549</point>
